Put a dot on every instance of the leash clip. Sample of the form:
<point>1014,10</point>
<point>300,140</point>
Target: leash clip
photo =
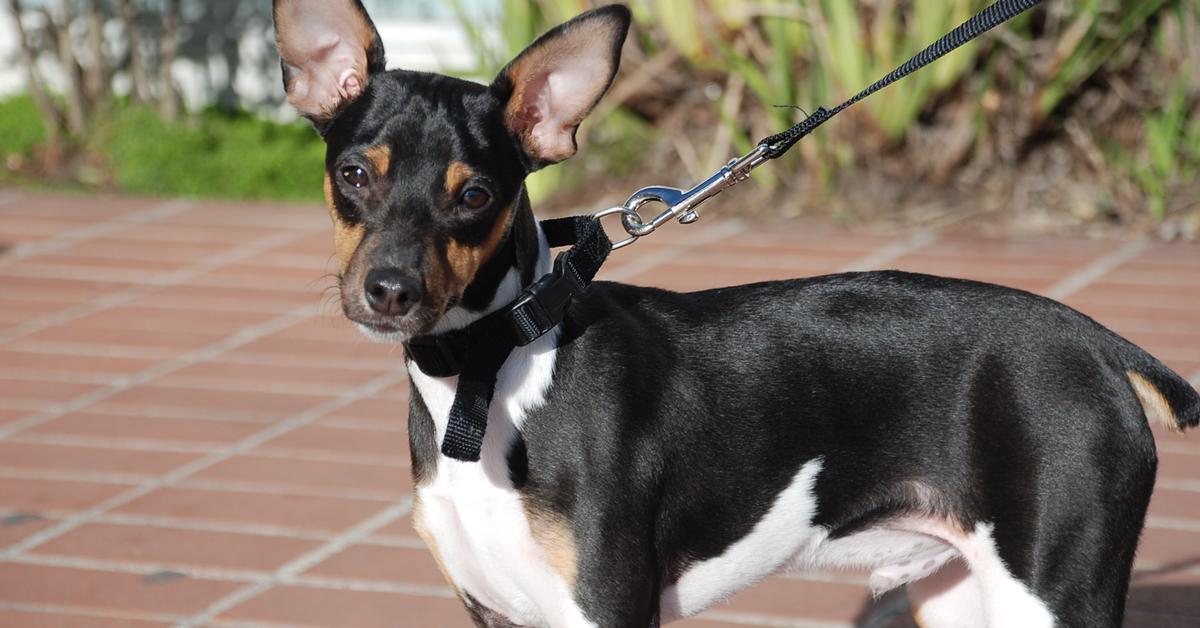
<point>682,204</point>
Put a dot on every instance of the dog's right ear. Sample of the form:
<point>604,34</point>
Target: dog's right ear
<point>328,50</point>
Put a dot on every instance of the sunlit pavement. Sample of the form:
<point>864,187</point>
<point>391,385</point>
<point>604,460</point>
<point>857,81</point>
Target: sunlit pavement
<point>190,433</point>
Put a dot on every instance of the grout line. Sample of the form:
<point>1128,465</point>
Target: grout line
<point>889,254</point>
<point>1097,269</point>
<point>195,466</point>
<point>225,486</point>
<point>58,475</point>
<point>638,266</point>
<point>134,444</point>
<point>134,568</point>
<point>1179,524</point>
<point>86,612</point>
<point>373,586</point>
<point>95,230</point>
<point>756,619</point>
<point>1178,484</point>
<point>152,285</point>
<point>179,523</point>
<point>301,563</point>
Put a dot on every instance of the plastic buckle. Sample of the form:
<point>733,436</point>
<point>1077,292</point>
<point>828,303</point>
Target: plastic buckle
<point>541,306</point>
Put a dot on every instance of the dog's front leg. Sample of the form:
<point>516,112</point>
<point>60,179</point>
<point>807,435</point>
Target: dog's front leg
<point>618,585</point>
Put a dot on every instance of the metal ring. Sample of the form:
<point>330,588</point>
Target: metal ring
<point>626,214</point>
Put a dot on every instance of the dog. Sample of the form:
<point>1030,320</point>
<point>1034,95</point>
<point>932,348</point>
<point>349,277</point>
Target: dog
<point>658,452</point>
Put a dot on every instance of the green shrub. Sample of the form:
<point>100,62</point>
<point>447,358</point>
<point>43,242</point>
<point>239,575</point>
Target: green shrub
<point>20,127</point>
<point>215,154</point>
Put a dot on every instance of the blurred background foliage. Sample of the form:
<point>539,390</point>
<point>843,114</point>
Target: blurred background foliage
<point>1080,114</point>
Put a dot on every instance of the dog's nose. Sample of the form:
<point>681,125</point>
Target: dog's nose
<point>391,292</point>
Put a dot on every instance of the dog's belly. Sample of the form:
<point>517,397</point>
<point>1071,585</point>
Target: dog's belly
<point>785,539</point>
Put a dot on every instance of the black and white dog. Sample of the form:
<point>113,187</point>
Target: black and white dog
<point>659,452</point>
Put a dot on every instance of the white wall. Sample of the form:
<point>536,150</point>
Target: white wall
<point>429,40</point>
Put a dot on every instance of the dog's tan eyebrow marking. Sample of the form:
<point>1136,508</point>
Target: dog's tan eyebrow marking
<point>346,238</point>
<point>1154,404</point>
<point>456,175</point>
<point>556,538</point>
<point>465,260</point>
<point>380,157</point>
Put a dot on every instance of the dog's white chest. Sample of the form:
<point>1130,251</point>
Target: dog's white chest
<point>482,536</point>
<point>472,516</point>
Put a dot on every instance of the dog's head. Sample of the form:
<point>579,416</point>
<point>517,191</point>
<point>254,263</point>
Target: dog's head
<point>424,173</point>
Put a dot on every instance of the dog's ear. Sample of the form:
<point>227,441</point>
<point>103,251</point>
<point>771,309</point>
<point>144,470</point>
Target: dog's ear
<point>554,83</point>
<point>328,50</point>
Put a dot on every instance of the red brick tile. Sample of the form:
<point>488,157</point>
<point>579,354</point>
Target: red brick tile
<point>173,547</point>
<point>112,426</point>
<point>385,443</point>
<point>379,562</point>
<point>154,234</point>
<point>86,209</point>
<point>1177,504</point>
<point>253,276</point>
<point>23,229</point>
<point>1168,593</point>
<point>307,606</point>
<point>313,351</point>
<point>386,413</point>
<point>19,619</point>
<point>169,255</point>
<point>81,588</point>
<point>35,456</point>
<point>60,363</point>
<point>150,319</point>
<point>14,527</point>
<point>179,341</point>
<point>13,311</point>
<point>378,479</point>
<point>43,391</point>
<point>232,403</point>
<point>223,299</point>
<point>1160,547</point>
<point>1179,466</point>
<point>252,214</point>
<point>801,598</point>
<point>62,291</point>
<point>331,381</point>
<point>39,497</point>
<point>400,528</point>
<point>294,512</point>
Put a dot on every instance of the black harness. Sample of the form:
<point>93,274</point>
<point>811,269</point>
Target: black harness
<point>476,352</point>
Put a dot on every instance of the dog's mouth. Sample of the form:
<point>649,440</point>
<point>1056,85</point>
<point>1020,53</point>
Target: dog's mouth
<point>399,329</point>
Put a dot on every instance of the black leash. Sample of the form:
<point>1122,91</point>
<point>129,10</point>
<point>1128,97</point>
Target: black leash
<point>477,352</point>
<point>991,17</point>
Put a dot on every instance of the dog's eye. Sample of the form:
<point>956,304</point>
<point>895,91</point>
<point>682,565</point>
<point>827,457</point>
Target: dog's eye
<point>475,198</point>
<point>356,176</point>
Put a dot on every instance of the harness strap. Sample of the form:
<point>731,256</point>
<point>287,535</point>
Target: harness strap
<point>477,352</point>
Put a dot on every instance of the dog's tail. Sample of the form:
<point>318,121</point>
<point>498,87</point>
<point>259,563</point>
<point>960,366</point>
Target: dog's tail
<point>1167,398</point>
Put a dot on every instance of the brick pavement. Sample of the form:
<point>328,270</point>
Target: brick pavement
<point>191,435</point>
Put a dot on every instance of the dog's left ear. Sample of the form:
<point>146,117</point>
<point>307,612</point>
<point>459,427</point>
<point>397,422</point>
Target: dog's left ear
<point>554,83</point>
